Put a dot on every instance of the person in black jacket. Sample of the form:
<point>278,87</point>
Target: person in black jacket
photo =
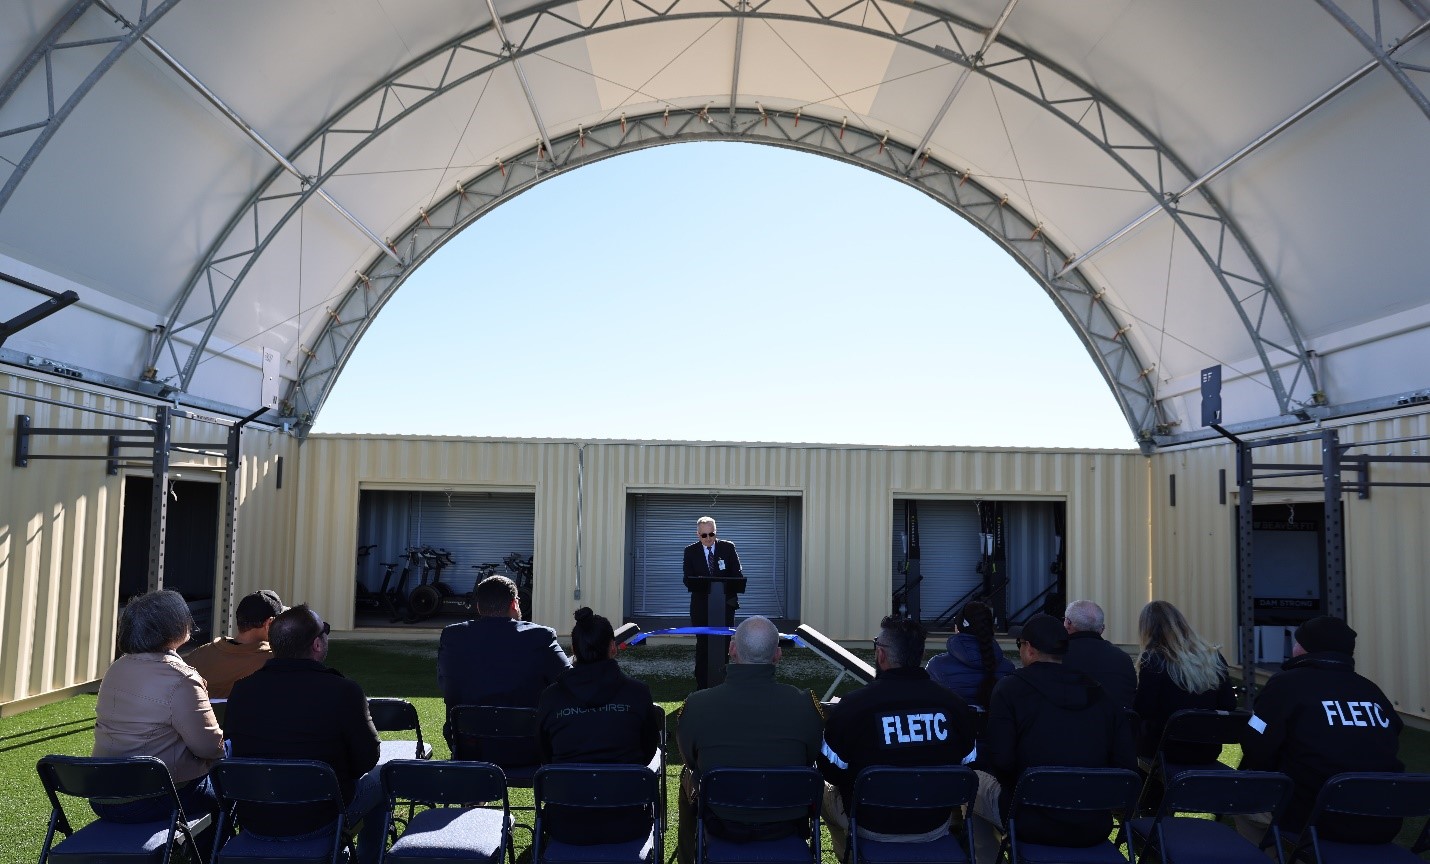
<point>1177,670</point>
<point>498,659</point>
<point>595,713</point>
<point>1088,652</point>
<point>297,708</point>
<point>1317,718</point>
<point>902,718</point>
<point>1046,714</point>
<point>706,559</point>
<point>974,662</point>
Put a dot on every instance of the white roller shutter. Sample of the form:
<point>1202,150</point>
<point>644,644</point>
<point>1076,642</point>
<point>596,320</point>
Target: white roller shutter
<point>1030,545</point>
<point>948,541</point>
<point>665,525</point>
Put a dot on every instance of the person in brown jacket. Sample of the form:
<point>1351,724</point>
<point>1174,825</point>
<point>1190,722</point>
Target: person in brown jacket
<point>152,703</point>
<point>229,658</point>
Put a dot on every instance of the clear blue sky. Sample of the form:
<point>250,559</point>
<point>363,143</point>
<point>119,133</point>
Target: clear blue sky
<point>725,292</point>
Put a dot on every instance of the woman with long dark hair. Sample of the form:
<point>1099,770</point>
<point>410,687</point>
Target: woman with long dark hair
<point>596,713</point>
<point>973,662</point>
<point>1177,669</point>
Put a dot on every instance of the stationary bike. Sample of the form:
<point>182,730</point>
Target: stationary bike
<point>429,598</point>
<point>364,597</point>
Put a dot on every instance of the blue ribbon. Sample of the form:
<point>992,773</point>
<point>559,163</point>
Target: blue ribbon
<point>701,631</point>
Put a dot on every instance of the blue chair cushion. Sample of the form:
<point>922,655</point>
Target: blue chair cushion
<point>451,832</point>
<point>1333,852</point>
<point>1101,853</point>
<point>390,750</point>
<point>1190,840</point>
<point>101,836</point>
<point>944,849</point>
<point>248,846</point>
<point>566,853</point>
<point>792,848</point>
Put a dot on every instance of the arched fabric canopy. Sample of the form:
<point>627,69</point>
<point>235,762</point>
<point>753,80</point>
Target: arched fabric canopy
<point>233,190</point>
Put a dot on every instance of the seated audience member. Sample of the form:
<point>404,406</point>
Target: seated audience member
<point>229,658</point>
<point>596,714</point>
<point>1046,714</point>
<point>297,708</point>
<point>498,659</point>
<point>749,721</point>
<point>1317,718</point>
<point>972,662</point>
<point>1177,670</point>
<point>1088,652</point>
<point>902,718</point>
<point>152,703</point>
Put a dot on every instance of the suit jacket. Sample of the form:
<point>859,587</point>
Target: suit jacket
<point>696,573</point>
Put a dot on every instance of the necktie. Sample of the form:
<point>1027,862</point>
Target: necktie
<point>710,561</point>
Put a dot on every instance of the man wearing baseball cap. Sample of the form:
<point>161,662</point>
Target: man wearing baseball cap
<point>1317,718</point>
<point>229,658</point>
<point>1046,714</point>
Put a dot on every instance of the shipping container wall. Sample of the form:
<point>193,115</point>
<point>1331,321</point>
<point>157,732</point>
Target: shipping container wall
<point>61,537</point>
<point>1387,546</point>
<point>846,494</point>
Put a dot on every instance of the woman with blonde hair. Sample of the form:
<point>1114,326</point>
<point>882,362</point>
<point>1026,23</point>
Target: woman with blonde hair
<point>1178,669</point>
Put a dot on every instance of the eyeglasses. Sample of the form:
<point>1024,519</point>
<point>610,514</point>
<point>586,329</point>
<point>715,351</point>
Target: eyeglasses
<point>1021,642</point>
<point>707,536</point>
<point>878,644</point>
<point>327,628</point>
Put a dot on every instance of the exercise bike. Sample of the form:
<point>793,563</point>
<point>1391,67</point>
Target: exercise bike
<point>429,598</point>
<point>365,598</point>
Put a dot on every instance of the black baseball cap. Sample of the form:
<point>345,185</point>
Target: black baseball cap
<point>258,607</point>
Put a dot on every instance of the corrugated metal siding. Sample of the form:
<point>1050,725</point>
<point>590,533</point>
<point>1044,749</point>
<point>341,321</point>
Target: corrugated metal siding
<point>1387,550</point>
<point>60,538</point>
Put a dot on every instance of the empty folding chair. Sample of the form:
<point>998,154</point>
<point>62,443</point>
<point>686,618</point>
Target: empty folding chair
<point>398,715</point>
<point>103,840</point>
<point>1355,796</point>
<point>738,807</point>
<point>1177,838</point>
<point>1095,793</point>
<point>503,736</point>
<point>615,803</point>
<point>459,821</point>
<point>1192,740</point>
<point>939,789</point>
<point>260,795</point>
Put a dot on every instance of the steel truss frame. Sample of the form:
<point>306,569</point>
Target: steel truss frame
<point>1201,218</point>
<point>38,62</point>
<point>1080,302</point>
<point>1375,44</point>
<point>1252,477</point>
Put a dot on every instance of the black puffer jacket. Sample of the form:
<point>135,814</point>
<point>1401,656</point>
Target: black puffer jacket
<point>1046,714</point>
<point>1317,718</point>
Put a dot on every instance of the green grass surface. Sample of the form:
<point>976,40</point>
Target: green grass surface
<point>408,670</point>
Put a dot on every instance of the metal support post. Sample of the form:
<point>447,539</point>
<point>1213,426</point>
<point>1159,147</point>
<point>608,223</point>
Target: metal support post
<point>159,497</point>
<point>1245,603</point>
<point>232,473</point>
<point>1335,540</point>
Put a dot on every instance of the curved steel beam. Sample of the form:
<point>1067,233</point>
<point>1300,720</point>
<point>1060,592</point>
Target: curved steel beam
<point>347,320</point>
<point>40,62</point>
<point>1200,217</point>
<point>1384,56</point>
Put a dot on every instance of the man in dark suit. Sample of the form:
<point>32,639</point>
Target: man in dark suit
<point>706,559</point>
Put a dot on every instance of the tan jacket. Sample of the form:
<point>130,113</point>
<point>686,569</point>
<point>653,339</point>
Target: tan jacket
<point>157,705</point>
<point>222,662</point>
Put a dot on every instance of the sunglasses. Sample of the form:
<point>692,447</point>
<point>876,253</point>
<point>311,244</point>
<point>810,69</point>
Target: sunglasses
<point>1021,642</point>
<point>707,536</point>
<point>878,644</point>
<point>327,628</point>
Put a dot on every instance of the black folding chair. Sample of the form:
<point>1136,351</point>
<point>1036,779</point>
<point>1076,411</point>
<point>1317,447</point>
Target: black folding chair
<point>941,789</point>
<point>398,715</point>
<point>277,784</point>
<point>457,822</point>
<point>135,778</point>
<point>1384,795</point>
<point>1189,728</point>
<point>1187,839</point>
<point>757,799</point>
<point>658,763</point>
<point>503,736</point>
<point>1088,790</point>
<point>588,794</point>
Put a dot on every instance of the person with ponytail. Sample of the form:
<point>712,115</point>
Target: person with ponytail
<point>596,713</point>
<point>973,662</point>
<point>1177,670</point>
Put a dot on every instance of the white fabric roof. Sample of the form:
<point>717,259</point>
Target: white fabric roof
<point>1320,233</point>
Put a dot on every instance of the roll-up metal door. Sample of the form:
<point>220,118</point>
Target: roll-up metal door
<point>475,527</point>
<point>665,525</point>
<point>948,541</point>
<point>1030,545</point>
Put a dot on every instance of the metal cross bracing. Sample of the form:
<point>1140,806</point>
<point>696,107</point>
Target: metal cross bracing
<point>1376,44</point>
<point>42,117</point>
<point>1080,302</point>
<point>1148,161</point>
